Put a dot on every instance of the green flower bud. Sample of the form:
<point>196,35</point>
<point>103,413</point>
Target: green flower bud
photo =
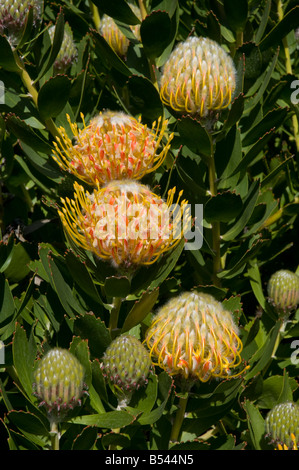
<point>68,51</point>
<point>13,14</point>
<point>283,290</point>
<point>282,425</point>
<point>126,363</point>
<point>59,381</point>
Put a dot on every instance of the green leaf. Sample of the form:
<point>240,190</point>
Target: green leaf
<point>55,47</point>
<point>28,422</point>
<point>21,358</point>
<point>53,96</point>
<point>61,287</point>
<point>152,276</point>
<point>109,420</point>
<point>79,348</point>
<point>281,29</point>
<point>89,327</point>
<point>155,32</point>
<point>119,10</point>
<point>7,304</point>
<point>140,309</point>
<point>86,439</point>
<point>236,13</point>
<point>263,23</point>
<point>262,357</point>
<point>144,98</point>
<point>7,58</point>
<point>107,55</point>
<point>248,206</point>
<point>194,135</point>
<point>82,276</point>
<point>256,425</point>
<point>117,286</point>
<point>224,207</point>
<point>27,30</point>
<point>272,390</point>
<point>25,133</point>
<point>273,119</point>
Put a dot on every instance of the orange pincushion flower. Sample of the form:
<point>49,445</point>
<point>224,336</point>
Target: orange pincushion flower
<point>195,337</point>
<point>124,222</point>
<point>113,146</point>
<point>198,77</point>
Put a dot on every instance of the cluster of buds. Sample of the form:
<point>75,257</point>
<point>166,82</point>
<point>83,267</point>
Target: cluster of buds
<point>194,337</point>
<point>282,426</point>
<point>283,291</point>
<point>198,78</point>
<point>124,222</point>
<point>68,51</point>
<point>113,146</point>
<point>115,37</point>
<point>59,382</point>
<point>13,16</point>
<point>126,363</point>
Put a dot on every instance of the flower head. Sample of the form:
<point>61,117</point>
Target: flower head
<point>59,381</point>
<point>282,426</point>
<point>193,336</point>
<point>114,36</point>
<point>283,290</point>
<point>124,222</point>
<point>68,51</point>
<point>113,146</point>
<point>198,77</point>
<point>126,363</point>
<point>13,15</point>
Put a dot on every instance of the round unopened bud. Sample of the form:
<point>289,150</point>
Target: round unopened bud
<point>198,78</point>
<point>13,14</point>
<point>194,337</point>
<point>283,290</point>
<point>282,425</point>
<point>126,363</point>
<point>68,51</point>
<point>59,381</point>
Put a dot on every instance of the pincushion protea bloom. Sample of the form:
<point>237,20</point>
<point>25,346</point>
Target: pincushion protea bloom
<point>113,146</point>
<point>68,52</point>
<point>194,337</point>
<point>282,426</point>
<point>114,36</point>
<point>198,77</point>
<point>13,14</point>
<point>283,290</point>
<point>124,222</point>
<point>59,381</point>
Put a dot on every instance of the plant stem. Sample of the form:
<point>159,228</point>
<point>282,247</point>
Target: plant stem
<point>114,313</point>
<point>179,418</point>
<point>28,83</point>
<point>55,435</point>
<point>289,70</point>
<point>215,225</point>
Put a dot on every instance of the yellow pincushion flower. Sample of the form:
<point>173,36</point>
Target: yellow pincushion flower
<point>114,36</point>
<point>198,77</point>
<point>124,222</point>
<point>113,146</point>
<point>195,337</point>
